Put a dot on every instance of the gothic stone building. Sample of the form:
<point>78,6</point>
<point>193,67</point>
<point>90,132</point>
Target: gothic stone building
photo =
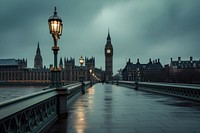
<point>152,71</point>
<point>178,71</point>
<point>183,71</point>
<point>72,73</point>
<point>11,69</point>
<point>108,59</point>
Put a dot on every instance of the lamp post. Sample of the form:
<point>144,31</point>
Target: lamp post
<point>81,61</point>
<point>93,77</point>
<point>90,76</point>
<point>55,28</point>
<point>90,73</point>
<point>138,74</point>
<point>137,78</point>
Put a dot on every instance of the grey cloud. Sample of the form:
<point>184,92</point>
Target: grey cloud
<point>139,29</point>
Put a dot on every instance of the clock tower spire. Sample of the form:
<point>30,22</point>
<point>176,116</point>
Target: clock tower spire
<point>108,37</point>
<point>108,58</point>
<point>38,58</point>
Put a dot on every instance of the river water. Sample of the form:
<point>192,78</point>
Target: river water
<point>10,92</point>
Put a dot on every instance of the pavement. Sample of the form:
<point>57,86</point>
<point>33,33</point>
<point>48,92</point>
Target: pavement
<point>107,108</point>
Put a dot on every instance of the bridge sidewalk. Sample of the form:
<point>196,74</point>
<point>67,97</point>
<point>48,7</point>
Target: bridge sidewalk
<point>114,109</point>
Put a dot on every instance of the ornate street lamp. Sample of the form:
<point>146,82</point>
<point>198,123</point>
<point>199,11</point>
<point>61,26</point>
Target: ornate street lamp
<point>90,76</point>
<point>90,71</point>
<point>138,74</point>
<point>137,78</point>
<point>55,28</point>
<point>81,61</point>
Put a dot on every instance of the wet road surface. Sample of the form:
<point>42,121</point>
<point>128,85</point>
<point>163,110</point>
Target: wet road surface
<point>114,109</point>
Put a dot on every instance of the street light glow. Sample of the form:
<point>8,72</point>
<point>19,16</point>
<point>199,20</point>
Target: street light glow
<point>81,60</point>
<point>55,24</point>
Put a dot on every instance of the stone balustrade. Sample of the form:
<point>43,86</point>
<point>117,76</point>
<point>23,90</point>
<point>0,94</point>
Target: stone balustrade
<point>191,92</point>
<point>38,111</point>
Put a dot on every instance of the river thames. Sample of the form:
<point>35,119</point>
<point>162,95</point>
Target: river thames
<point>10,92</point>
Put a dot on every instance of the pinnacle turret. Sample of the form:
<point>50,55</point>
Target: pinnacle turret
<point>108,37</point>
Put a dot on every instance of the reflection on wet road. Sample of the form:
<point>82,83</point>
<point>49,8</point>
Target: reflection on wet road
<point>113,109</point>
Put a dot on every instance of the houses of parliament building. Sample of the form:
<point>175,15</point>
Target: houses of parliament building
<point>15,70</point>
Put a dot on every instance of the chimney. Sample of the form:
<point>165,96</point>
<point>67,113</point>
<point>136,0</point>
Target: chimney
<point>138,61</point>
<point>179,59</point>
<point>191,59</point>
<point>51,66</point>
<point>150,61</point>
<point>171,59</point>
<point>158,60</point>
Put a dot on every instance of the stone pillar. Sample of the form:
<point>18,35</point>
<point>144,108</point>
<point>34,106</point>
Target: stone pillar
<point>62,102</point>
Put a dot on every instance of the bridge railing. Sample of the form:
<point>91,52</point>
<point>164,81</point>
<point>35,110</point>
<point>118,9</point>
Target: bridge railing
<point>191,92</point>
<point>38,111</point>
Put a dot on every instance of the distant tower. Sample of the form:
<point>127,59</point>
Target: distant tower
<point>69,67</point>
<point>108,58</point>
<point>90,63</point>
<point>61,63</point>
<point>38,58</point>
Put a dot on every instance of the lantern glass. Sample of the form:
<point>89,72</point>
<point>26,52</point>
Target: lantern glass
<point>55,24</point>
<point>55,27</point>
<point>60,31</point>
<point>81,61</point>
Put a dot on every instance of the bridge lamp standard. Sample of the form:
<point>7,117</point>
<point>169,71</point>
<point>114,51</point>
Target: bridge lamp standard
<point>81,61</point>
<point>90,76</point>
<point>138,74</point>
<point>55,28</point>
<point>90,73</point>
<point>137,78</point>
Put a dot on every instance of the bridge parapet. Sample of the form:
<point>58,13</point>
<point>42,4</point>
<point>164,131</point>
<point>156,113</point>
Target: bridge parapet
<point>38,111</point>
<point>191,92</point>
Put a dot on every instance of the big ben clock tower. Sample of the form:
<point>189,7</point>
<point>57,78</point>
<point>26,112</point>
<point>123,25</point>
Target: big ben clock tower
<point>108,59</point>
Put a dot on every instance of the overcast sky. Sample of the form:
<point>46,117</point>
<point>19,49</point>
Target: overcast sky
<point>139,29</point>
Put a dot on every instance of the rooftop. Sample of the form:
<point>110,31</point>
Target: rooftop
<point>8,62</point>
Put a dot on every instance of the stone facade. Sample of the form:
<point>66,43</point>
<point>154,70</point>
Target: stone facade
<point>71,72</point>
<point>152,71</point>
<point>12,70</point>
<point>183,71</point>
<point>178,71</point>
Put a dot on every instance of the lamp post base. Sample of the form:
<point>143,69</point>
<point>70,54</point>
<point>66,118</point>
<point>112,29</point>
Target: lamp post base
<point>55,78</point>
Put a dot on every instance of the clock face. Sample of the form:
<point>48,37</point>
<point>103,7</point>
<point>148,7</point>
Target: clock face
<point>108,51</point>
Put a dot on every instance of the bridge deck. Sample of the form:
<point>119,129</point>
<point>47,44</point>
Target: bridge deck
<point>114,109</point>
